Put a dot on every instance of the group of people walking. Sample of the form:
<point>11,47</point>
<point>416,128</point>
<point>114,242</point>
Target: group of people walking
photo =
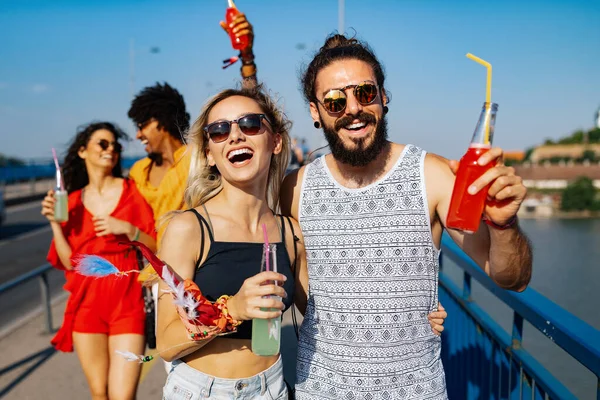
<point>358,233</point>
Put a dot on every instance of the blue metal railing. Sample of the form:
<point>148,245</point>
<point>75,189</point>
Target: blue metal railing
<point>20,173</point>
<point>482,360</point>
<point>35,170</point>
<point>42,274</point>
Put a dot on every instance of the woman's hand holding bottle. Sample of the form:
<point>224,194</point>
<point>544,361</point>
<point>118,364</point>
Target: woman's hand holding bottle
<point>255,296</point>
<point>48,206</point>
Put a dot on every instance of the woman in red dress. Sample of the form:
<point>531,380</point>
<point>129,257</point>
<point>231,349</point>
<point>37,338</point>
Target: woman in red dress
<point>102,315</point>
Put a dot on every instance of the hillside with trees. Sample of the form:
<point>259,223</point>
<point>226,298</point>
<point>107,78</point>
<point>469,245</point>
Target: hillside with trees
<point>6,161</point>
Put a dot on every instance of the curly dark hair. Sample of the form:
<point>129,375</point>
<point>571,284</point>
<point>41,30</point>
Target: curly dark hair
<point>74,171</point>
<point>163,103</point>
<point>338,47</point>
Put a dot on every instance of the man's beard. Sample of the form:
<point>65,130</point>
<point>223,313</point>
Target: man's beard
<point>361,155</point>
<point>156,158</point>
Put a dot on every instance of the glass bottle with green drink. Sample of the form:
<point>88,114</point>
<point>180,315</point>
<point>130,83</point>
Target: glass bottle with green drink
<point>61,206</point>
<point>266,333</point>
<point>61,197</point>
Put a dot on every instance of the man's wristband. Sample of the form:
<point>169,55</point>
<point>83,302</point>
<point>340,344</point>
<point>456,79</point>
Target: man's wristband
<point>511,222</point>
<point>248,71</point>
<point>247,59</point>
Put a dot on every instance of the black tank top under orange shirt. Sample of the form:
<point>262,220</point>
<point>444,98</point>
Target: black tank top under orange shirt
<point>229,264</point>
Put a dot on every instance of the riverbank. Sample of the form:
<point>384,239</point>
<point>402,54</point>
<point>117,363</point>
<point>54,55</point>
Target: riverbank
<point>586,214</point>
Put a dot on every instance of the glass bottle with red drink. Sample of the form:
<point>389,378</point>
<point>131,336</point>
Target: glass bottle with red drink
<point>238,43</point>
<point>466,209</point>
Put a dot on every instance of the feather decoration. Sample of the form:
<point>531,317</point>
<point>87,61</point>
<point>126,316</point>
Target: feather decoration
<point>176,289</point>
<point>189,304</point>
<point>203,311</point>
<point>129,356</point>
<point>169,279</point>
<point>89,265</point>
<point>156,262</point>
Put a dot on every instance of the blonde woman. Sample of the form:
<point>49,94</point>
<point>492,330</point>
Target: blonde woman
<point>240,150</point>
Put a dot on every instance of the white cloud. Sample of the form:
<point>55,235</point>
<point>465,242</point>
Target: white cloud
<point>39,88</point>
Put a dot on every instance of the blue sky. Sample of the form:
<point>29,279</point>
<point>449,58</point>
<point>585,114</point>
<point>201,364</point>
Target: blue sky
<point>65,63</point>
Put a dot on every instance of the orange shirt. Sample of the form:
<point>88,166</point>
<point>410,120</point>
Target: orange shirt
<point>168,196</point>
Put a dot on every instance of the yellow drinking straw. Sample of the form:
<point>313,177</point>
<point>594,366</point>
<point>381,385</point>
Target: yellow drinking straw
<point>488,91</point>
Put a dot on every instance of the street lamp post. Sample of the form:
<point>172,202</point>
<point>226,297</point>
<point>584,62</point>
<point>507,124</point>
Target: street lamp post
<point>131,68</point>
<point>341,16</point>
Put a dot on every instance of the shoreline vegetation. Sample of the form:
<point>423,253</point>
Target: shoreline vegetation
<point>585,214</point>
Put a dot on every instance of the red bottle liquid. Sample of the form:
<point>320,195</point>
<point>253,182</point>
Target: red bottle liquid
<point>466,209</point>
<point>238,43</point>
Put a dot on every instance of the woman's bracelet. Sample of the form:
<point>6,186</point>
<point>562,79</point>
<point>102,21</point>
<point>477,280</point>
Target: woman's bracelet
<point>221,304</point>
<point>137,234</point>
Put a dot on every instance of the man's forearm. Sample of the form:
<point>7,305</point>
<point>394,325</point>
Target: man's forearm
<point>510,258</point>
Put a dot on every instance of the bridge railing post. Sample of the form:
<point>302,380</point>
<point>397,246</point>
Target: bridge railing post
<point>46,304</point>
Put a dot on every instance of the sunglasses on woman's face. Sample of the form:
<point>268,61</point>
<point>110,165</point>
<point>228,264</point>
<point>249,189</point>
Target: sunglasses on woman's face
<point>335,100</point>
<point>249,124</point>
<point>105,144</point>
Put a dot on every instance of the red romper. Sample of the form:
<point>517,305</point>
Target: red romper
<point>111,305</point>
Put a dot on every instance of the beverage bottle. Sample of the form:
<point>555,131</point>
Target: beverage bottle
<point>466,209</point>
<point>266,333</point>
<point>61,206</point>
<point>238,43</point>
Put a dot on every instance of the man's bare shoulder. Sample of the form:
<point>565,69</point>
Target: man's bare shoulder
<point>437,165</point>
<point>435,160</point>
<point>439,178</point>
<point>290,191</point>
<point>293,179</point>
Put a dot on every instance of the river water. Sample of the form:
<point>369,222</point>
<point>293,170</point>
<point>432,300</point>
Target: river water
<point>566,270</point>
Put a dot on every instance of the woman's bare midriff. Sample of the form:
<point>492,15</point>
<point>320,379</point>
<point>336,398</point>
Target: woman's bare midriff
<point>241,361</point>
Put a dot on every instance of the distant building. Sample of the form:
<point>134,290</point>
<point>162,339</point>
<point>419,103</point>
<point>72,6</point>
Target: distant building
<point>514,155</point>
<point>556,176</point>
<point>541,207</point>
<point>572,151</point>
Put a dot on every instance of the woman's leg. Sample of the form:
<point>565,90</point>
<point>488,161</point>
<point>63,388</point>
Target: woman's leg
<point>92,350</point>
<point>124,375</point>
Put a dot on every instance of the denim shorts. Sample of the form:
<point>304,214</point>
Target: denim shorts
<point>187,383</point>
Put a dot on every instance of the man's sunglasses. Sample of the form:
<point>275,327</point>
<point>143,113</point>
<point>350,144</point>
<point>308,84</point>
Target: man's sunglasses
<point>249,124</point>
<point>142,125</point>
<point>335,100</point>
<point>105,144</point>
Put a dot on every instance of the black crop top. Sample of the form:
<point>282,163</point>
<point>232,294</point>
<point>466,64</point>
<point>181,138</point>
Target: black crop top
<point>229,264</point>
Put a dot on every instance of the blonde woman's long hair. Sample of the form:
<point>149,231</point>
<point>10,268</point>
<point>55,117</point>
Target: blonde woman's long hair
<point>204,182</point>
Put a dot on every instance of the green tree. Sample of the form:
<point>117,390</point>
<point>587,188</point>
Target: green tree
<point>579,195</point>
<point>589,155</point>
<point>594,135</point>
<point>10,161</point>
<point>576,137</point>
<point>528,153</point>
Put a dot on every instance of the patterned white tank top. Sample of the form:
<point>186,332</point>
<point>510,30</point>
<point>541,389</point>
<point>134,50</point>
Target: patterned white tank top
<point>373,272</point>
